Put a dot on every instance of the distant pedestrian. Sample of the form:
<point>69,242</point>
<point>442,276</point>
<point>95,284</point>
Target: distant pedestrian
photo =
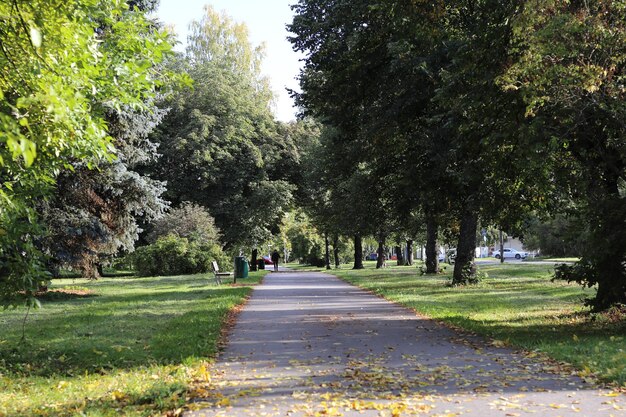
<point>275,258</point>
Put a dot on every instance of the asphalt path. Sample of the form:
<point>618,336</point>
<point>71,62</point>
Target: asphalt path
<point>308,344</point>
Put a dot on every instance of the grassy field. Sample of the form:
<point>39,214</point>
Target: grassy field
<point>300,267</point>
<point>116,346</point>
<point>553,259</point>
<point>516,305</point>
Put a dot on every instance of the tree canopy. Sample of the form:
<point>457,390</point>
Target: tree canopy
<point>485,111</point>
<point>220,145</point>
<point>66,68</point>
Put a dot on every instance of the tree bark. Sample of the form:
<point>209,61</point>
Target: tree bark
<point>336,251</point>
<point>409,252</point>
<point>464,267</point>
<point>358,252</point>
<point>399,256</point>
<point>609,240</point>
<point>253,261</point>
<point>327,251</point>
<point>432,260</point>
<point>501,247</point>
<point>90,270</point>
<point>380,261</point>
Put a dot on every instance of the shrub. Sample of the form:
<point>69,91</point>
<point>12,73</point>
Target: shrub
<point>173,255</point>
<point>190,220</point>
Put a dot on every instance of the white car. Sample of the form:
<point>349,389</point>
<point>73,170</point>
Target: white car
<point>510,253</point>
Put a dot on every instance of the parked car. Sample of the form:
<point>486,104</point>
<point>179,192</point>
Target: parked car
<point>371,257</point>
<point>267,260</point>
<point>441,257</point>
<point>510,253</point>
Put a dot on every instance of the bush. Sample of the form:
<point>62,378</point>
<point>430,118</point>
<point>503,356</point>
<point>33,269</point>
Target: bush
<point>190,220</point>
<point>173,255</point>
<point>557,236</point>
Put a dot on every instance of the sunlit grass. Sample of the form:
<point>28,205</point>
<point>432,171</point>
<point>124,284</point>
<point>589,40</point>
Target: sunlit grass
<point>517,304</point>
<point>132,348</point>
<point>554,259</point>
<point>302,267</point>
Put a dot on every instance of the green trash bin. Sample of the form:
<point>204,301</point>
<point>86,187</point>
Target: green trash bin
<point>246,269</point>
<point>241,267</point>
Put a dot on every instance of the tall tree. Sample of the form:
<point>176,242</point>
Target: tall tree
<point>374,90</point>
<point>221,147</point>
<point>93,213</point>
<point>570,69</point>
<point>412,86</point>
<point>65,67</point>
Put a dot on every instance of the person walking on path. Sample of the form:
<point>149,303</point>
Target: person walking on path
<point>275,258</point>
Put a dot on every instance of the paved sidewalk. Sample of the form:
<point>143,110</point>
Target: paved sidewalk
<point>308,344</point>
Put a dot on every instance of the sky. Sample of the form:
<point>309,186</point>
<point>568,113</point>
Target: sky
<point>266,21</point>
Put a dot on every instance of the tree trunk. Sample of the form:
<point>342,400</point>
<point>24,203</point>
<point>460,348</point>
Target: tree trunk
<point>432,260</point>
<point>409,252</point>
<point>501,247</point>
<point>89,269</point>
<point>253,261</point>
<point>606,249</point>
<point>464,267</point>
<point>358,252</point>
<point>380,262</point>
<point>327,252</point>
<point>399,256</point>
<point>336,251</point>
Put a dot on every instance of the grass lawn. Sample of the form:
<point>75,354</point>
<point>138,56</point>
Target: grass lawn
<point>132,347</point>
<point>553,259</point>
<point>310,268</point>
<point>516,305</point>
<point>301,267</point>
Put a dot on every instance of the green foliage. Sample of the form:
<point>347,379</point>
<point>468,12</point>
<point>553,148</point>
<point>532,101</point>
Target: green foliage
<point>510,107</point>
<point>576,102</point>
<point>66,66</point>
<point>190,221</point>
<point>221,147</point>
<point>559,236</point>
<point>411,95</point>
<point>345,250</point>
<point>22,271</point>
<point>306,244</point>
<point>173,255</point>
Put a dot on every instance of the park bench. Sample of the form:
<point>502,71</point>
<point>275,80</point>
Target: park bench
<point>217,274</point>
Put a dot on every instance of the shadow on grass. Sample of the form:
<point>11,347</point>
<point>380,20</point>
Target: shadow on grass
<point>61,295</point>
<point>116,331</point>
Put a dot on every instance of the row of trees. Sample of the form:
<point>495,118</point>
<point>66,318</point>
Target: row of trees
<point>105,130</point>
<point>433,119</point>
<point>462,113</point>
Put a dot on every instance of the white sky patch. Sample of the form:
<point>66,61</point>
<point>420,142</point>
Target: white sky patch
<point>267,22</point>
